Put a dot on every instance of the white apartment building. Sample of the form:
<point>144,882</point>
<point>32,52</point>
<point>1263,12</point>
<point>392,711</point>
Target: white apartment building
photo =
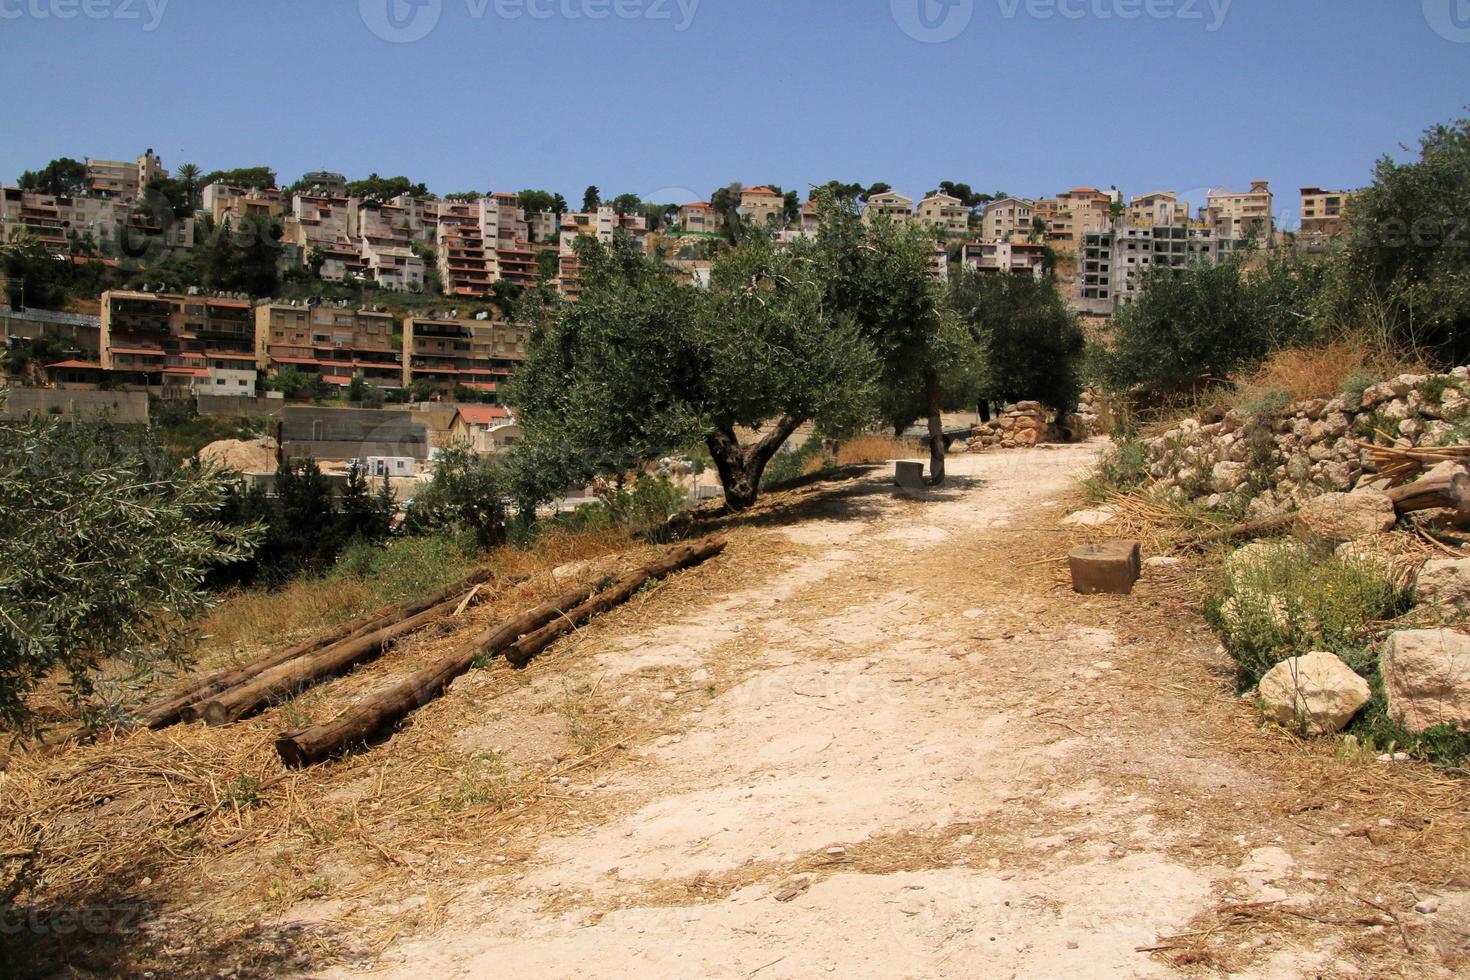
<point>1236,214</point>
<point>890,205</point>
<point>1112,262</point>
<point>1008,219</point>
<point>946,214</point>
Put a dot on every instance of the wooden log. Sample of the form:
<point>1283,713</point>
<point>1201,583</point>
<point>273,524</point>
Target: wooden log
<point>1447,486</point>
<point>293,676</point>
<point>521,653</point>
<point>362,721</point>
<point>169,710</point>
<point>527,634</point>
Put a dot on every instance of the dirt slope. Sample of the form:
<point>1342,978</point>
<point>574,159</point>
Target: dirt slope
<point>901,747</point>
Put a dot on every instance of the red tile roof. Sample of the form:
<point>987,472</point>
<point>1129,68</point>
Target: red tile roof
<point>76,364</point>
<point>483,414</point>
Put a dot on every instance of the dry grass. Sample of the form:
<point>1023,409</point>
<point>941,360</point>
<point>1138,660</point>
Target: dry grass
<point>1322,371</point>
<point>874,448</point>
<point>257,617</point>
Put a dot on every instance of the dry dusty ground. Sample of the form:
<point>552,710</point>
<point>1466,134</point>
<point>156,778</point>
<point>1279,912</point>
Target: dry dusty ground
<point>878,737</point>
<point>904,748</point>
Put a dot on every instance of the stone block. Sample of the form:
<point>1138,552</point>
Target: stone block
<point>1111,568</point>
<point>909,475</point>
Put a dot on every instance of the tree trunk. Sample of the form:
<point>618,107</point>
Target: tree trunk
<point>741,467</point>
<point>984,411</point>
<point>169,711</point>
<point>362,721</point>
<point>290,678</point>
<point>1446,486</point>
<point>524,650</point>
<point>935,400</point>
<point>521,637</point>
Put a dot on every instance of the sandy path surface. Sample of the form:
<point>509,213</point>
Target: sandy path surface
<point>904,749</point>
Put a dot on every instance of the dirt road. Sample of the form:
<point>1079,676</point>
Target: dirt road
<point>902,748</point>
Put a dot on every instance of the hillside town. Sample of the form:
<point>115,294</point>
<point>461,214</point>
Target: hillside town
<point>1040,551</point>
<point>1097,242</point>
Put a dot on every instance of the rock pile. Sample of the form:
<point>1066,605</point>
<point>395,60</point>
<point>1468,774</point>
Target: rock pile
<point>1020,426</point>
<point>255,456</point>
<point>1273,461</point>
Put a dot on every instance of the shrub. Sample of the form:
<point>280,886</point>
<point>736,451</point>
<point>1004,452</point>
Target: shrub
<point>790,464</point>
<point>467,494</point>
<point>105,542</point>
<point>1281,599</point>
<point>1122,469</point>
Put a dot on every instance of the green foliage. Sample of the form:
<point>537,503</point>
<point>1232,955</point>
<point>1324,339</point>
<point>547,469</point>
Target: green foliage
<point>1282,599</point>
<point>406,566</point>
<point>1033,345</point>
<point>1406,258</point>
<point>1122,469</point>
<point>876,275</point>
<point>790,464</point>
<point>533,201</point>
<point>261,178</point>
<point>644,510</point>
<point>183,431</point>
<point>33,277</point>
<point>61,176</point>
<point>1199,325</point>
<point>105,543</point>
<point>382,189</point>
<point>645,363</point>
<point>297,385</point>
<point>467,494</point>
<point>242,259</point>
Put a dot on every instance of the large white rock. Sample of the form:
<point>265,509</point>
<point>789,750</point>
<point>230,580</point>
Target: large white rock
<point>1426,674</point>
<point>1091,518</point>
<point>1445,585</point>
<point>1317,694</point>
<point>1340,517</point>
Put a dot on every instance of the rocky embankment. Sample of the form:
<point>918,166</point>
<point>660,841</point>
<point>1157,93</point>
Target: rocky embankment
<point>1272,460</point>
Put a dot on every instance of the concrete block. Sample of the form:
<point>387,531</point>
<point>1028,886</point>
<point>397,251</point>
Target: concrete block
<point>1111,568</point>
<point>910,476</point>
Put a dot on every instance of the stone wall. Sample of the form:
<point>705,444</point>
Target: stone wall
<point>1027,424</point>
<point>1271,460</point>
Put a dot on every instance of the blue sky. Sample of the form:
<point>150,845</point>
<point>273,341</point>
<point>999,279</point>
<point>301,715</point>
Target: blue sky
<point>668,98</point>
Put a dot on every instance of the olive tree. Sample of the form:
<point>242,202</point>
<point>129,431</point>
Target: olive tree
<point>105,543</point>
<point>877,274</point>
<point>646,363</point>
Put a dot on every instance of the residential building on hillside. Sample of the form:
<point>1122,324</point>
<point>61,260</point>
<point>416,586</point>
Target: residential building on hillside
<point>1008,219</point>
<point>1237,214</point>
<point>890,205</point>
<point>509,234</point>
<point>466,266</point>
<point>122,179</point>
<point>486,429</point>
<point>450,352</point>
<point>1112,262</point>
<point>1322,214</point>
<point>344,434</point>
<point>225,202</point>
<point>762,207</point>
<point>113,228</point>
<point>700,217</point>
<point>993,258</point>
<point>317,219</point>
<point>544,226</point>
<point>601,224</point>
<point>165,341</point>
<point>332,341</point>
<point>1158,208</point>
<point>946,214</point>
<point>325,183</point>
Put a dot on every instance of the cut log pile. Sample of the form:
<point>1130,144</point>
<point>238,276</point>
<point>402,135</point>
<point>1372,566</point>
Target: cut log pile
<point>520,638</point>
<point>173,709</point>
